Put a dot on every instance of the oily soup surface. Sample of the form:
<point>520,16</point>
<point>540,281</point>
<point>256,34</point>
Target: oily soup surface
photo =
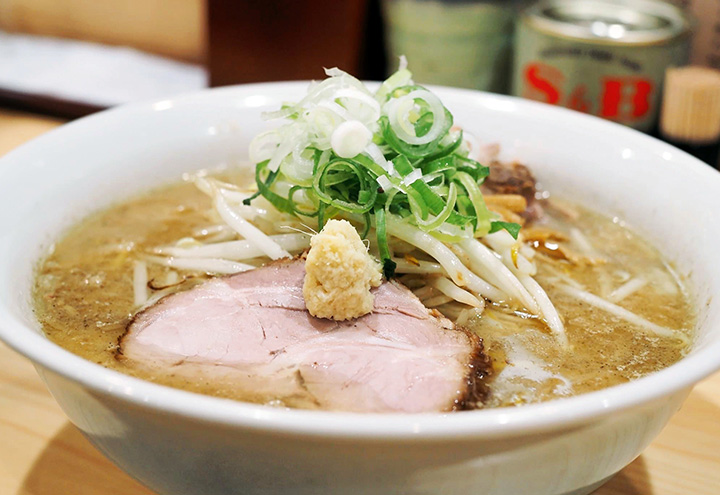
<point>84,299</point>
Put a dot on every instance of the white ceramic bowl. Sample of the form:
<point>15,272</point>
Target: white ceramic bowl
<point>181,443</point>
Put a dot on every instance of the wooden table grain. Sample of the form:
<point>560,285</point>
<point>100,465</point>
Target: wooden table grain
<point>42,453</point>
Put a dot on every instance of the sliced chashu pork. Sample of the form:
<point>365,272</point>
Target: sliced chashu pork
<point>253,329</point>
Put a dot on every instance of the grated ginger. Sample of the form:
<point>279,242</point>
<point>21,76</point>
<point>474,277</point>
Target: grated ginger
<point>339,273</point>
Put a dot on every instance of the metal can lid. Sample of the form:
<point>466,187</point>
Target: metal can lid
<point>615,22</point>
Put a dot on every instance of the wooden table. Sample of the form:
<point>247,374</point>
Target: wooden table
<point>41,453</point>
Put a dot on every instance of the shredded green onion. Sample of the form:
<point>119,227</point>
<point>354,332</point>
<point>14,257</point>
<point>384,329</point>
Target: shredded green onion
<point>512,228</point>
<point>415,169</point>
<point>381,231</point>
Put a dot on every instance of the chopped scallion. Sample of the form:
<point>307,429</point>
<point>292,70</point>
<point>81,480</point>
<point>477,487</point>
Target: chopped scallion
<point>415,168</point>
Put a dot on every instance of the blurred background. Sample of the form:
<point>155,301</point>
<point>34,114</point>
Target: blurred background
<point>649,64</point>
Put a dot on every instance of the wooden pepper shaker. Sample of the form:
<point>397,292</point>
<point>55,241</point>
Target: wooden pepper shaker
<point>690,116</point>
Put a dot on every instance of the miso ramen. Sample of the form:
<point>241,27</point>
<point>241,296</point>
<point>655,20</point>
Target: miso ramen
<point>214,285</point>
<point>625,311</point>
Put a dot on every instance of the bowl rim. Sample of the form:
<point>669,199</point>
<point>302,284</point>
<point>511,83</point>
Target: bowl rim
<point>486,423</point>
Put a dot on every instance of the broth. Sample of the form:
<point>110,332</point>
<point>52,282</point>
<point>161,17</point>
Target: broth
<point>84,300</point>
<point>606,350</point>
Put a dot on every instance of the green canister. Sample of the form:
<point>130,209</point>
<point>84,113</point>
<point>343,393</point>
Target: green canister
<point>603,57</point>
<point>464,43</point>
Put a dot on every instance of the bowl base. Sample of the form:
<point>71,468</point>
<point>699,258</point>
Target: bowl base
<point>590,488</point>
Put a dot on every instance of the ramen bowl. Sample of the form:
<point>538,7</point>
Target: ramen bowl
<point>178,443</point>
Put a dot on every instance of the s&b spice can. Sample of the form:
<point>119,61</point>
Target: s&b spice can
<point>603,57</point>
